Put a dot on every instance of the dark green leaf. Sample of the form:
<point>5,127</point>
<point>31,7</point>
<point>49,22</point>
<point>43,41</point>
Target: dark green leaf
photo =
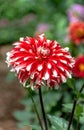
<point>71,83</point>
<point>79,110</point>
<point>82,118</point>
<point>58,123</point>
<point>24,115</point>
<point>82,127</point>
<point>68,107</point>
<point>79,83</point>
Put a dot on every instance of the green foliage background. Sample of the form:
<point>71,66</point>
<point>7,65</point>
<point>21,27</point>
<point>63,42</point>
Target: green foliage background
<point>14,15</point>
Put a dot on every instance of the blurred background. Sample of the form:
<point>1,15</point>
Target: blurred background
<point>20,18</point>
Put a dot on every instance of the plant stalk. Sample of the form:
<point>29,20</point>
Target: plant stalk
<point>42,108</point>
<point>78,125</point>
<point>73,109</point>
<point>81,88</point>
<point>72,114</point>
<point>35,108</point>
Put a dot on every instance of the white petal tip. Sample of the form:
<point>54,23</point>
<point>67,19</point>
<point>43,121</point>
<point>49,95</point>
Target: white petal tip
<point>66,49</point>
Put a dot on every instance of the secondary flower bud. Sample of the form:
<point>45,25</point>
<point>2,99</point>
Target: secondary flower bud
<point>78,69</point>
<point>76,32</point>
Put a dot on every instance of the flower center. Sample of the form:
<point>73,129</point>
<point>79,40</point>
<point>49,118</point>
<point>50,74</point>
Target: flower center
<point>43,52</point>
<point>81,67</point>
<point>80,32</point>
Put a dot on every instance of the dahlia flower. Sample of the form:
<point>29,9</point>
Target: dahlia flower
<point>76,32</point>
<point>39,61</point>
<point>76,13</point>
<point>78,69</point>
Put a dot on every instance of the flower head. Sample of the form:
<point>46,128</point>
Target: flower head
<point>78,69</point>
<point>40,61</point>
<point>76,32</point>
<point>76,13</point>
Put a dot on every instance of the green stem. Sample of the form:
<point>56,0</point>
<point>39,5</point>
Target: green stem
<point>43,111</point>
<point>72,114</point>
<point>73,109</point>
<point>35,108</point>
<point>78,124</point>
<point>81,88</point>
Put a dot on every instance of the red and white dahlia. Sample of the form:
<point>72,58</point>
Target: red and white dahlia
<point>38,60</point>
<point>78,69</point>
<point>76,32</point>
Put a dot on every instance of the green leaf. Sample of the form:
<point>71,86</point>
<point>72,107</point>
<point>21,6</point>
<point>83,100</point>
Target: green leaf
<point>82,118</point>
<point>23,124</point>
<point>24,115</point>
<point>50,102</point>
<point>71,83</point>
<point>81,95</point>
<point>58,123</point>
<point>79,83</point>
<point>81,48</point>
<point>79,110</point>
<point>82,128</point>
<point>27,102</point>
<point>35,127</point>
<point>68,107</point>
